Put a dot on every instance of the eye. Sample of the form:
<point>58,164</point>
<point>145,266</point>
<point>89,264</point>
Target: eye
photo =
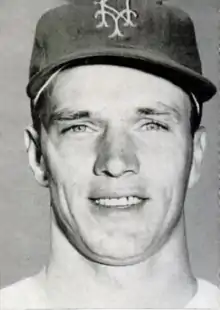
<point>80,128</point>
<point>154,126</point>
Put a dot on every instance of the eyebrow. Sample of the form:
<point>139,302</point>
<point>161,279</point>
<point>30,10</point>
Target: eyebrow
<point>68,115</point>
<point>161,109</point>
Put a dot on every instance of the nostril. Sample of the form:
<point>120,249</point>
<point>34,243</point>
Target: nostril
<point>116,167</point>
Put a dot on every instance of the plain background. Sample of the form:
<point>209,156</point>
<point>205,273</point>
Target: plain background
<point>24,208</point>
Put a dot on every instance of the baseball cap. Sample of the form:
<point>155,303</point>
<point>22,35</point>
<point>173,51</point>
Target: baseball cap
<point>146,35</point>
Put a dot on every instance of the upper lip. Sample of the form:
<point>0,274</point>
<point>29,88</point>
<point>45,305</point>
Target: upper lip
<point>117,192</point>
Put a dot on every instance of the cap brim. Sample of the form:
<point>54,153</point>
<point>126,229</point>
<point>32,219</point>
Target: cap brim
<point>147,61</point>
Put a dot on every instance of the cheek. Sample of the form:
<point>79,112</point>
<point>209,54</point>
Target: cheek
<point>69,167</point>
<point>68,182</point>
<point>166,161</point>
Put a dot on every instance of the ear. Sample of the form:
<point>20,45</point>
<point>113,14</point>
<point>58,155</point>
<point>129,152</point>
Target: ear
<point>36,160</point>
<point>199,146</point>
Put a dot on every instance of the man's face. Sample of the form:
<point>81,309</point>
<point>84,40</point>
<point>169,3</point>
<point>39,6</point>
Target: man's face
<point>118,152</point>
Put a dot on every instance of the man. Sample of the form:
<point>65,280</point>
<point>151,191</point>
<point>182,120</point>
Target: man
<point>116,93</point>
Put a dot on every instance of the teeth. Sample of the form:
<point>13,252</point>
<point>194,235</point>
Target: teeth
<point>121,202</point>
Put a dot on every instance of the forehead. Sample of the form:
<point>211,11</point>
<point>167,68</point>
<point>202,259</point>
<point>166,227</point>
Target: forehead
<point>113,87</point>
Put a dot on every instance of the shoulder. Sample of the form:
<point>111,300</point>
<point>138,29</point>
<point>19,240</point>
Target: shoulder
<point>24,294</point>
<point>207,296</point>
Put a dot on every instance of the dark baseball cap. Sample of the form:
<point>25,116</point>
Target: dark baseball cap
<point>142,34</point>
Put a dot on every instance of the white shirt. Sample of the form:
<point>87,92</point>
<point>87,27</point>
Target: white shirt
<point>28,294</point>
<point>207,297</point>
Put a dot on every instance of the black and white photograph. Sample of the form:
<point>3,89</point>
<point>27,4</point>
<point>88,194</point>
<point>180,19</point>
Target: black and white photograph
<point>109,166</point>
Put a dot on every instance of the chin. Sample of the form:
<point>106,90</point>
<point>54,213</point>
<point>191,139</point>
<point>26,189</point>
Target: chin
<point>114,260</point>
<point>114,254</point>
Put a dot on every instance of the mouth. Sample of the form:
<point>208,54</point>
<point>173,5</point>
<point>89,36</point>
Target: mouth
<point>119,203</point>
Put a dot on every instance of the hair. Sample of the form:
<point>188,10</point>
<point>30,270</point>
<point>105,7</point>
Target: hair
<point>195,116</point>
<point>36,111</point>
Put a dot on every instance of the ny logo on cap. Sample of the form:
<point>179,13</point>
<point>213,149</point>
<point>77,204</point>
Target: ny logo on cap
<point>106,10</point>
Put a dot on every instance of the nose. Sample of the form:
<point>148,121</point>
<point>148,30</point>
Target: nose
<point>116,157</point>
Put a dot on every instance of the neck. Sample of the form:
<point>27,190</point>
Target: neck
<point>74,280</point>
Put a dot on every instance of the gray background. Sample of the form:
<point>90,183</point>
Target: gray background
<point>24,208</point>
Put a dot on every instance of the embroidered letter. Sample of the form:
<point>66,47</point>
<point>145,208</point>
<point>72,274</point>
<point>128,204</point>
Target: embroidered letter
<point>107,10</point>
